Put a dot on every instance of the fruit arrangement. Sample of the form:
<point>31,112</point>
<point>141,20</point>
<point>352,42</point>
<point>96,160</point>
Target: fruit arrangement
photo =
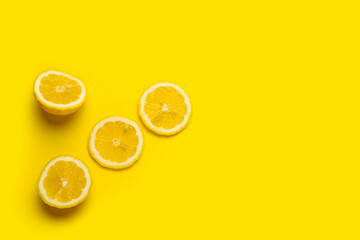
<point>115,142</point>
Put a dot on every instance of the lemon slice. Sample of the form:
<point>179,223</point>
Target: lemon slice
<point>116,142</point>
<point>165,108</point>
<point>64,183</point>
<point>59,93</point>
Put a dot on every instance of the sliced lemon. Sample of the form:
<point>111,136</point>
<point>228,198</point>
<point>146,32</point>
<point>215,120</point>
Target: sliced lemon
<point>59,93</point>
<point>165,108</point>
<point>64,183</point>
<point>116,142</point>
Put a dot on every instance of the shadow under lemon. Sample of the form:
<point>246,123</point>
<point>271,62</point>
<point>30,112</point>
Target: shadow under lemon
<point>58,213</point>
<point>55,119</point>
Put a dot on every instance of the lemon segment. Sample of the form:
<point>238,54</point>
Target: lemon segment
<point>64,183</point>
<point>165,108</point>
<point>116,142</point>
<point>59,93</point>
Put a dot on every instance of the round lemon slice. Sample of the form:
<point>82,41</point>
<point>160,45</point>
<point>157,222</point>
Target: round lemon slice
<point>64,183</point>
<point>59,93</point>
<point>116,142</point>
<point>165,108</point>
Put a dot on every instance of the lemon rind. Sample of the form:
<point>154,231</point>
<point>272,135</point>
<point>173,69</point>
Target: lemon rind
<point>146,120</point>
<point>74,202</point>
<point>109,164</point>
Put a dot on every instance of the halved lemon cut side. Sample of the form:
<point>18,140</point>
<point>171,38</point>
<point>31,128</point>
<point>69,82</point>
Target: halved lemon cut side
<point>165,108</point>
<point>65,182</point>
<point>59,93</point>
<point>116,142</point>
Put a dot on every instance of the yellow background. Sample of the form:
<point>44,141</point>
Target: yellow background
<point>272,149</point>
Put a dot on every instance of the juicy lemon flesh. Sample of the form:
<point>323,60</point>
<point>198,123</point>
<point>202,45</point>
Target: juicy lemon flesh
<point>116,141</point>
<point>64,181</point>
<point>165,107</point>
<point>59,89</point>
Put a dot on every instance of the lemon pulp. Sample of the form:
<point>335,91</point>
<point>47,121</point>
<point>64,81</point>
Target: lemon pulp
<point>116,141</point>
<point>64,181</point>
<point>59,89</point>
<point>165,107</point>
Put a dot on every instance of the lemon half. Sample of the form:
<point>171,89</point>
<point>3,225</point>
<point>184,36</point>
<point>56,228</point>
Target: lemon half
<point>65,182</point>
<point>59,93</point>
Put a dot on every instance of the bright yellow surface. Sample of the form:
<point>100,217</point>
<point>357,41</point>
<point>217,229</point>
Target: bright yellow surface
<point>272,149</point>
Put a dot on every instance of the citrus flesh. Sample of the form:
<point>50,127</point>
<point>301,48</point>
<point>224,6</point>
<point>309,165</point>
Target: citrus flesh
<point>165,108</point>
<point>116,142</point>
<point>59,93</point>
<point>64,183</point>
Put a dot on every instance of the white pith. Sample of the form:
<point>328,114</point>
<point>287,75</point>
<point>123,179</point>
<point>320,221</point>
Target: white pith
<point>147,120</point>
<point>105,162</point>
<point>55,105</point>
<point>73,202</point>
